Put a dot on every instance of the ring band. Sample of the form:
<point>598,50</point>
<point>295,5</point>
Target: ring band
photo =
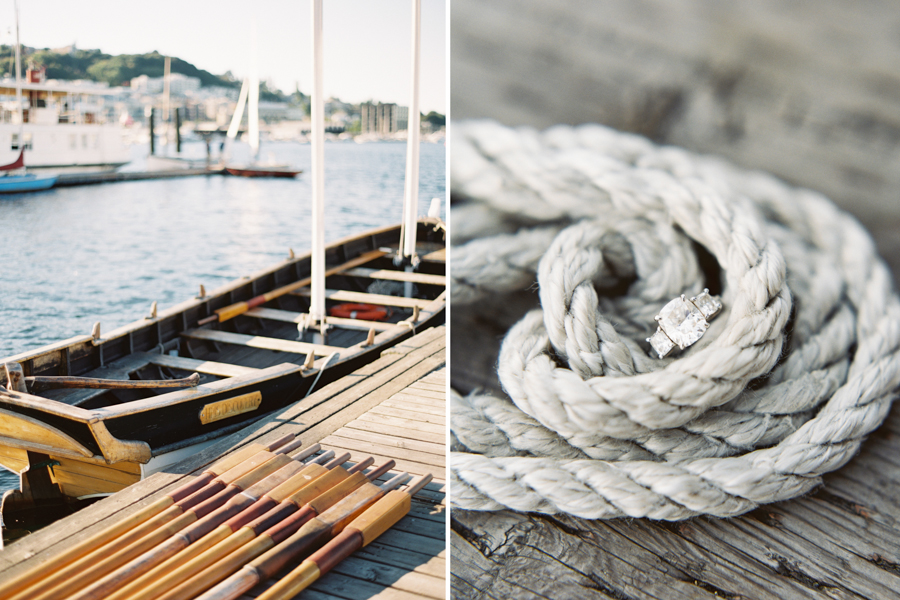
<point>682,322</point>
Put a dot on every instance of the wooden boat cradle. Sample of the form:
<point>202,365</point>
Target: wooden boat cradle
<point>35,429</point>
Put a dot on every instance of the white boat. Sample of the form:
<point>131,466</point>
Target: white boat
<point>65,125</point>
<point>57,125</point>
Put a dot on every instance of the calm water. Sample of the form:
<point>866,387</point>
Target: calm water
<point>73,256</point>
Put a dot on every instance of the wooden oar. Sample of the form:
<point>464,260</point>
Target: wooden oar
<point>193,532</point>
<point>239,308</point>
<point>182,494</point>
<point>182,565</point>
<point>105,559</point>
<point>277,528</point>
<point>39,383</point>
<point>308,538</point>
<point>377,519</point>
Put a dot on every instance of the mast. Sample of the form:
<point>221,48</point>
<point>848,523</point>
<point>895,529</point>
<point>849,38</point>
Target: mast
<point>317,110</point>
<point>19,83</point>
<point>411,187</point>
<point>167,69</point>
<point>253,105</point>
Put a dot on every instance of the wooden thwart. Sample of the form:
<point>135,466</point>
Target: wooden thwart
<point>396,276</point>
<point>436,256</point>
<point>201,366</point>
<point>255,341</point>
<point>286,316</point>
<point>363,298</point>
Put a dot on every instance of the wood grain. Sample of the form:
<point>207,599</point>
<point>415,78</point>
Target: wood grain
<point>408,561</point>
<point>809,93</point>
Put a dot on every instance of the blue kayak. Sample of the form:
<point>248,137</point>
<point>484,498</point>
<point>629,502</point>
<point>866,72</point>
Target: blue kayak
<point>25,183</point>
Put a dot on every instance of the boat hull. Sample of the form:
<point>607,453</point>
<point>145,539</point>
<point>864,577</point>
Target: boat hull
<point>262,171</point>
<point>68,144</point>
<point>16,184</point>
<point>99,441</point>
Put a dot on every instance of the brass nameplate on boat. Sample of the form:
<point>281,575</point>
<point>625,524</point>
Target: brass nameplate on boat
<point>230,407</point>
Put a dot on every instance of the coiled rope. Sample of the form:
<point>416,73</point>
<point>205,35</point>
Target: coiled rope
<point>801,365</point>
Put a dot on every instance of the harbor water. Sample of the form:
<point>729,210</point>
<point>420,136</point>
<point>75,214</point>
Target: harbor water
<point>74,256</point>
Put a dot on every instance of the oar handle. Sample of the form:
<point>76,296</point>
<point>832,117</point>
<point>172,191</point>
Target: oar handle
<point>38,383</point>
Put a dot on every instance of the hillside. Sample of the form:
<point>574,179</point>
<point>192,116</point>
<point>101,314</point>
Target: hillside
<point>115,70</point>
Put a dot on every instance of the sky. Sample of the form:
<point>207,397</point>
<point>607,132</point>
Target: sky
<point>367,43</point>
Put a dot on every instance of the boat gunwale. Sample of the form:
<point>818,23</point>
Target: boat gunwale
<point>177,309</point>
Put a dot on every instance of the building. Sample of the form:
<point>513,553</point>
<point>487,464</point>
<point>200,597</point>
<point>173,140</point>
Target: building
<point>382,118</point>
<point>179,84</point>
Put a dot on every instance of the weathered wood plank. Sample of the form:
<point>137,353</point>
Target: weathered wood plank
<point>364,298</point>
<point>395,577</point>
<point>413,542</point>
<point>412,277</point>
<point>201,366</point>
<point>388,439</point>
<point>256,341</point>
<point>401,422</point>
<point>286,316</point>
<point>399,432</point>
<point>427,406</point>
<point>404,557</point>
<point>438,390</point>
<point>410,414</point>
<point>438,256</point>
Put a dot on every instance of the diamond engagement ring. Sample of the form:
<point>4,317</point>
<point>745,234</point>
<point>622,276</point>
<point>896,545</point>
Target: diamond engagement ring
<point>682,322</point>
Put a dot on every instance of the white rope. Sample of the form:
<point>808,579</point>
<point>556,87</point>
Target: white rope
<point>800,366</point>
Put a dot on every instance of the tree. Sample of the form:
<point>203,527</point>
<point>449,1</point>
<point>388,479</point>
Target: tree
<point>436,119</point>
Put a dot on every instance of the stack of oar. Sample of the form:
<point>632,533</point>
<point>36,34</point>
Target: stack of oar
<point>241,521</point>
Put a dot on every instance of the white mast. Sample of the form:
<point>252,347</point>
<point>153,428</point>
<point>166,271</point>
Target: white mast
<point>236,117</point>
<point>167,71</point>
<point>19,83</point>
<point>253,110</point>
<point>411,188</point>
<point>317,109</point>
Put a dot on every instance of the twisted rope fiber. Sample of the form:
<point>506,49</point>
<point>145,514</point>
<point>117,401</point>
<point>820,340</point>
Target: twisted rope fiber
<point>801,365</point>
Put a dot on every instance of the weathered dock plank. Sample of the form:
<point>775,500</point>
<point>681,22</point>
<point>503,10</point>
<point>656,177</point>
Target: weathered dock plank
<point>409,561</point>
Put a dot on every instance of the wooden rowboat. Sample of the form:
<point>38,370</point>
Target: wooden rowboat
<point>242,340</point>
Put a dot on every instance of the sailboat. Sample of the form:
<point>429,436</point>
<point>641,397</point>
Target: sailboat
<point>21,182</point>
<point>250,88</point>
<point>254,168</point>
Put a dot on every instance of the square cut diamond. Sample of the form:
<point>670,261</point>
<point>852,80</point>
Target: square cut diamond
<point>662,344</point>
<point>708,305</point>
<point>682,322</point>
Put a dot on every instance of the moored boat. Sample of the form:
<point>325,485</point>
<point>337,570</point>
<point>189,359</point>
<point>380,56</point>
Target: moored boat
<point>257,170</point>
<point>14,184</point>
<point>243,342</point>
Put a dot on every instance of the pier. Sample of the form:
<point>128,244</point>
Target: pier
<point>392,408</point>
<point>73,179</point>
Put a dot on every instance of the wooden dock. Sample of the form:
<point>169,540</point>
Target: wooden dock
<point>88,178</point>
<point>393,408</point>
